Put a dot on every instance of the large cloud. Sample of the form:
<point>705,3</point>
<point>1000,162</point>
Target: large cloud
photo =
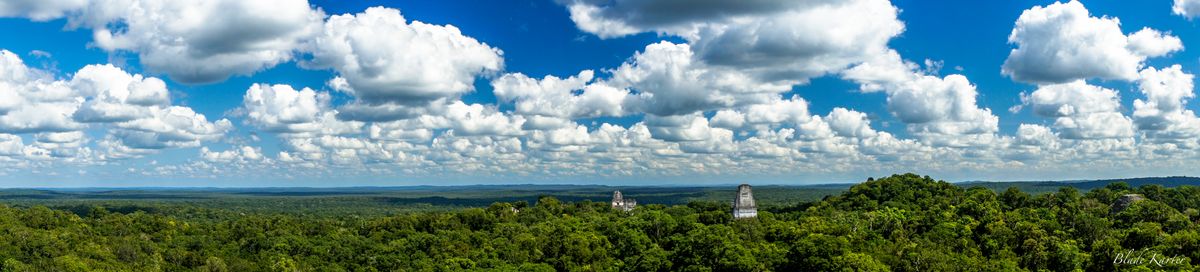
<point>849,123</point>
<point>11,145</point>
<point>117,95</point>
<point>1062,42</point>
<point>172,126</point>
<point>39,10</point>
<point>941,106</point>
<point>791,114</point>
<point>139,111</point>
<point>616,18</point>
<point>383,58</point>
<point>1162,115</point>
<point>1081,111</point>
<point>476,119</point>
<point>804,42</point>
<point>193,41</point>
<point>551,102</point>
<point>241,154</point>
<point>33,100</point>
<point>940,110</point>
<point>1186,8</point>
<point>134,111</point>
<point>670,81</point>
<point>679,128</point>
<point>281,108</point>
<point>778,42</point>
<point>1036,136</point>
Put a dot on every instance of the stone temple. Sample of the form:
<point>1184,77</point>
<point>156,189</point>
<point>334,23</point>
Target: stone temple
<point>1125,201</point>
<point>621,203</point>
<point>743,203</point>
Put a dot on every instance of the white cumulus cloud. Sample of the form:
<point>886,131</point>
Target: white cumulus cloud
<point>1081,111</point>
<point>943,111</point>
<point>771,41</point>
<point>1062,42</point>
<point>670,81</point>
<point>1163,115</point>
<point>384,58</point>
<point>40,10</point>
<point>551,102</point>
<point>133,111</point>
<point>1186,8</point>
<point>281,108</point>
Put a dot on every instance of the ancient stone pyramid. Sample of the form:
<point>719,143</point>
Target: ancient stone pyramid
<point>619,202</point>
<point>743,203</point>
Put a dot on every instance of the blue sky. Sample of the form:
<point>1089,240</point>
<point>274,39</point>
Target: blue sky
<point>765,92</point>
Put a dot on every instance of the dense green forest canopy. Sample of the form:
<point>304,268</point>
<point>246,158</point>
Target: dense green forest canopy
<point>898,223</point>
<point>378,201</point>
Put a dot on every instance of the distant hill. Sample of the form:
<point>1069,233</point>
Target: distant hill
<point>1082,185</point>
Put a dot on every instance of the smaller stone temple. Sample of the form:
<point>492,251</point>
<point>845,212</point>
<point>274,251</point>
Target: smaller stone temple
<point>1125,201</point>
<point>621,203</point>
<point>743,203</point>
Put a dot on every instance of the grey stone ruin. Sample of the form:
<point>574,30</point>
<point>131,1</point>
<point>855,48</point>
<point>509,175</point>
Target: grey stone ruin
<point>743,203</point>
<point>1125,201</point>
<point>620,203</point>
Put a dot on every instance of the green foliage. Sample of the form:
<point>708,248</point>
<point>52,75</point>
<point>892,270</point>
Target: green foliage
<point>898,223</point>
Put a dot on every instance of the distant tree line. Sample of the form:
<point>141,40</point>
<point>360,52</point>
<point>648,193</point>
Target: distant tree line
<point>898,223</point>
